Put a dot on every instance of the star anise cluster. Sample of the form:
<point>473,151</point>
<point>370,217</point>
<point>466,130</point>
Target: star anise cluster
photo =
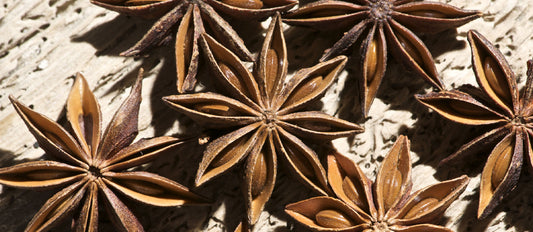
<point>93,168</point>
<point>385,205</point>
<point>266,116</point>
<point>496,102</point>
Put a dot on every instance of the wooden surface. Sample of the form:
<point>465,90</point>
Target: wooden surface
<point>44,43</point>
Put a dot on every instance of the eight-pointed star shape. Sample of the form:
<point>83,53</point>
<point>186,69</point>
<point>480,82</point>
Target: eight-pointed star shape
<point>266,118</point>
<point>384,25</point>
<point>384,206</point>
<point>495,103</point>
<point>94,167</point>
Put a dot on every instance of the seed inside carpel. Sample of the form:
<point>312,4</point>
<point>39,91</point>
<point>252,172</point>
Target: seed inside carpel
<point>333,219</point>
<point>304,90</point>
<point>216,109</point>
<point>501,165</point>
<point>143,187</point>
<point>272,71</point>
<point>259,175</point>
<point>371,61</point>
<point>392,187</point>
<point>231,76</point>
<point>421,207</point>
<point>495,78</point>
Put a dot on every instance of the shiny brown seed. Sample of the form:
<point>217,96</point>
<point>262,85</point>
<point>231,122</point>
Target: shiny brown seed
<point>47,174</point>
<point>352,192</point>
<point>259,175</point>
<point>501,165</point>
<point>421,207</point>
<point>495,77</point>
<point>428,13</point>
<point>143,187</point>
<point>371,61</point>
<point>392,187</point>
<point>333,219</point>
<point>411,50</point>
<point>304,90</point>
<point>272,63</point>
<point>215,109</point>
<point>247,4</point>
<point>230,75</point>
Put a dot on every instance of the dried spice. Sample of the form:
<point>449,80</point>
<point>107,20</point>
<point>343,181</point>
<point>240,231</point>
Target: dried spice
<point>193,15</point>
<point>266,117</point>
<point>496,102</point>
<point>383,25</point>
<point>385,205</point>
<point>93,167</point>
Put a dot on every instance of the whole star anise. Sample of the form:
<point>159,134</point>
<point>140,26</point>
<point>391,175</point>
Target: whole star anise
<point>496,103</point>
<point>266,117</point>
<point>193,15</point>
<point>387,205</point>
<point>92,166</point>
<point>386,26</point>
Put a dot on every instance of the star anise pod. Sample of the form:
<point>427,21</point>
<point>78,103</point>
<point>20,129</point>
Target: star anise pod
<point>386,205</point>
<point>385,26</point>
<point>266,117</point>
<point>193,15</point>
<point>94,167</point>
<point>495,103</point>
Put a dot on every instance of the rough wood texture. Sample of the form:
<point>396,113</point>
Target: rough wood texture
<point>44,43</point>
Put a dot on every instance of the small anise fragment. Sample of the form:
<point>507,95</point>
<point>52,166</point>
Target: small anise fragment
<point>193,18</point>
<point>383,26</point>
<point>267,118</point>
<point>496,102</point>
<point>386,205</point>
<point>93,166</point>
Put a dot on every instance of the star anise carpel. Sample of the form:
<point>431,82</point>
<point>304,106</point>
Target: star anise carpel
<point>191,18</point>
<point>383,206</point>
<point>265,112</point>
<point>383,26</point>
<point>95,167</point>
<point>497,103</point>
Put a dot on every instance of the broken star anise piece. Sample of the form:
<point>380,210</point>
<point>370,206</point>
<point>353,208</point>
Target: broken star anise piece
<point>496,102</point>
<point>266,116</point>
<point>94,167</point>
<point>386,205</point>
<point>383,25</point>
<point>194,14</point>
